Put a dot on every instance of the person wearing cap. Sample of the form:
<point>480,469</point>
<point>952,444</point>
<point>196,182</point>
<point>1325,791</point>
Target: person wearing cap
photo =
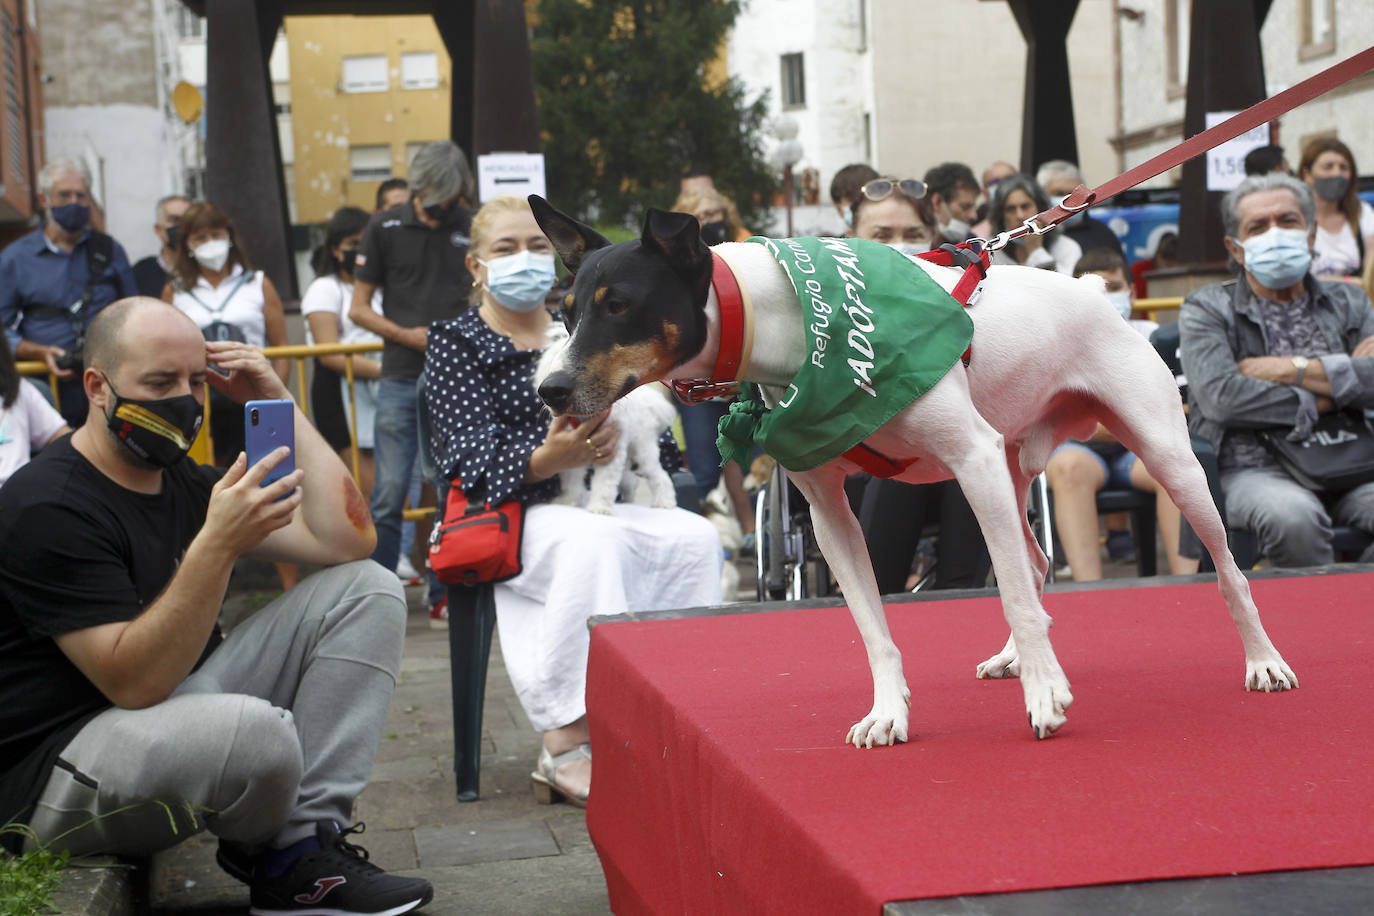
<point>414,253</point>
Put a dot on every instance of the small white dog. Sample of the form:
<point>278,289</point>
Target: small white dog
<point>641,416</point>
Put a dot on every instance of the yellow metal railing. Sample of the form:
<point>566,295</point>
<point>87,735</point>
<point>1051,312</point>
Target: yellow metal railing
<point>1154,308</point>
<point>202,450</point>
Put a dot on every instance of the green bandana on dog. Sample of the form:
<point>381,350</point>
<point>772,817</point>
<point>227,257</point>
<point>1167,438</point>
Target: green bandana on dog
<point>880,333</point>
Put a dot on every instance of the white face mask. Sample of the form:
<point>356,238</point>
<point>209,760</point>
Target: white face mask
<point>956,230</point>
<point>910,249</point>
<point>1122,300</point>
<point>212,254</point>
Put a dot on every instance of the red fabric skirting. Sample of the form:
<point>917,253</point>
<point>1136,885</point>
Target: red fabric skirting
<point>722,783</point>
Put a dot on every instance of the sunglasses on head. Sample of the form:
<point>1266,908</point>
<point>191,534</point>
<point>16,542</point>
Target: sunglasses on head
<point>882,188</point>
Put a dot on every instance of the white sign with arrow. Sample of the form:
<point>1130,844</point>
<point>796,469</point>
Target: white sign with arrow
<point>510,173</point>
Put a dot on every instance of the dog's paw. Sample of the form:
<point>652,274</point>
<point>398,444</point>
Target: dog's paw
<point>1047,699</point>
<point>886,723</point>
<point>1269,674</point>
<point>662,503</point>
<point>599,506</point>
<point>1003,664</point>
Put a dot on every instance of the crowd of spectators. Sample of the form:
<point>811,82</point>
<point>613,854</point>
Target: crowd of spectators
<point>276,724</point>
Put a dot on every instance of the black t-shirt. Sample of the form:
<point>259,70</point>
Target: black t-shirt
<point>76,550</point>
<point>149,277</point>
<point>420,271</point>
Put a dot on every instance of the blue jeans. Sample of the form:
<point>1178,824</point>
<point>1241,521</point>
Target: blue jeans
<point>699,429</point>
<point>396,449</point>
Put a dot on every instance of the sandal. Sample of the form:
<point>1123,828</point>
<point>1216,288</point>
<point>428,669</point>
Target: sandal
<point>544,782</point>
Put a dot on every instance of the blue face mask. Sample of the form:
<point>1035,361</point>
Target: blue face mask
<point>1122,301</point>
<point>71,217</point>
<point>1278,258</point>
<point>520,281</point>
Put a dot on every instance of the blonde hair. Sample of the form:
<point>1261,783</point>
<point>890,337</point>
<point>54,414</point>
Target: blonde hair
<point>480,231</point>
<point>689,200</point>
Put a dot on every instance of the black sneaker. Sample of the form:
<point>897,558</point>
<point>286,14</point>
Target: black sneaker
<point>237,861</point>
<point>337,881</point>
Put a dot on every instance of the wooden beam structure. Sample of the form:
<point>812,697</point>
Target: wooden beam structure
<point>1225,73</point>
<point>1047,125</point>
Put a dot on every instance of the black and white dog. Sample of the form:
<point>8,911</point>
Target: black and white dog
<point>1051,358</point>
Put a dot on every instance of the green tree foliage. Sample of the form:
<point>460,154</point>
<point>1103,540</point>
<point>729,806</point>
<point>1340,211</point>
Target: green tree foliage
<point>625,111</point>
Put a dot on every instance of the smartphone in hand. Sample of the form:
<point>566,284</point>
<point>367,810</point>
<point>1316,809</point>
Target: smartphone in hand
<point>268,425</point>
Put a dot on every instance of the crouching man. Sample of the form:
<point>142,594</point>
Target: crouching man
<point>116,689</point>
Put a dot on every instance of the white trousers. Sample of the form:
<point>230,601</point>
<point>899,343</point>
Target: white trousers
<point>576,565</point>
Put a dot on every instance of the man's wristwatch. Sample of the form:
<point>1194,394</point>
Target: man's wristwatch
<point>1299,363</point>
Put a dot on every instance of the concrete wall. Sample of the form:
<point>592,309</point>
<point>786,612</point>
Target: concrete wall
<point>930,57</point>
<point>1345,110</point>
<point>833,41</point>
<point>906,64</point>
<point>103,105</point>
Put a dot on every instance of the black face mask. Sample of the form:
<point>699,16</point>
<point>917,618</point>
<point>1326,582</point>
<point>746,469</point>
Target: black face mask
<point>349,260</point>
<point>714,233</point>
<point>160,432</point>
<point>438,212</point>
<point>171,237</point>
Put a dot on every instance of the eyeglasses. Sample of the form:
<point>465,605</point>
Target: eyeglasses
<point>882,188</point>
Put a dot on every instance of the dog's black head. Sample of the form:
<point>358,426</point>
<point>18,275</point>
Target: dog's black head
<point>636,309</point>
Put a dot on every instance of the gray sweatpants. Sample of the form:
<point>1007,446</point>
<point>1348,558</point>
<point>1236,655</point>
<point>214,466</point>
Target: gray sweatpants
<point>1292,524</point>
<point>277,730</point>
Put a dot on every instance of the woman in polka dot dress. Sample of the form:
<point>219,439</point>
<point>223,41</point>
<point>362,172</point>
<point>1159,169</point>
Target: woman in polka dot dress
<point>492,433</point>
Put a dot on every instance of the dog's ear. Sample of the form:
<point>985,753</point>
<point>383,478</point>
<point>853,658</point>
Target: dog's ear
<point>571,239</point>
<point>677,237</point>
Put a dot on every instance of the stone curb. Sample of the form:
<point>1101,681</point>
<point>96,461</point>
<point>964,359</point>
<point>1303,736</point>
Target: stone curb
<point>97,886</point>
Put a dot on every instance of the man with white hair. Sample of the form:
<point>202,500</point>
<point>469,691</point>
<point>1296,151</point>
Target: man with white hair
<point>54,280</point>
<point>1059,177</point>
<point>415,253</point>
<point>1276,348</point>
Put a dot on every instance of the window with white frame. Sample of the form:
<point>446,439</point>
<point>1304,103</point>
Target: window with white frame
<point>412,148</point>
<point>369,163</point>
<point>1317,28</point>
<point>365,73</point>
<point>1177,21</point>
<point>420,70</point>
<point>189,25</point>
<point>793,81</point>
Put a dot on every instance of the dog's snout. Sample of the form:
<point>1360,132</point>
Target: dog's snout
<point>557,390</point>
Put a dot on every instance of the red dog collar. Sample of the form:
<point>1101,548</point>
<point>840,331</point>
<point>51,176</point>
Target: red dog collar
<point>725,376</point>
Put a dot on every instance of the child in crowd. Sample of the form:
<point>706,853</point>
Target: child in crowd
<point>1078,470</point>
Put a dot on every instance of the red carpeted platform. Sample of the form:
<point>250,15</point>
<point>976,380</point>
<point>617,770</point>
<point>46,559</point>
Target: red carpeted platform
<point>722,784</point>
